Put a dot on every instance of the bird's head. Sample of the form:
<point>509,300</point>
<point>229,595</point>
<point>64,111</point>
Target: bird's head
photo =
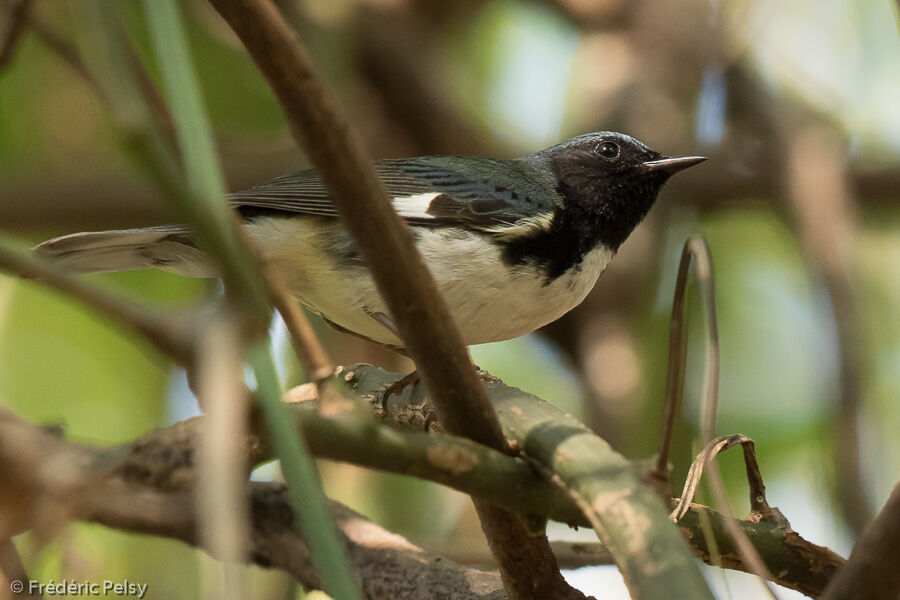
<point>608,181</point>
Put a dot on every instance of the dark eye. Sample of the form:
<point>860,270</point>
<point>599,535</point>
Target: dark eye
<point>608,150</point>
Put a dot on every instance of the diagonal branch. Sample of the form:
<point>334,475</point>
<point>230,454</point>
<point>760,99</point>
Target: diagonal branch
<point>417,309</point>
<point>871,572</point>
<point>416,306</point>
<point>169,334</point>
<point>18,20</point>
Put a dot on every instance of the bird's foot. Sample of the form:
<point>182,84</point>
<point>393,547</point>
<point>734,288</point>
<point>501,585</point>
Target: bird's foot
<point>396,388</point>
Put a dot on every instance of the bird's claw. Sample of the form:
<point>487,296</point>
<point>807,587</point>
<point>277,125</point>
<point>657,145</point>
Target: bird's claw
<point>396,388</point>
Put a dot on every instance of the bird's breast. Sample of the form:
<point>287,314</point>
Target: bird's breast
<point>490,299</point>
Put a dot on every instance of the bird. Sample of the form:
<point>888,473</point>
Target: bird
<point>513,244</point>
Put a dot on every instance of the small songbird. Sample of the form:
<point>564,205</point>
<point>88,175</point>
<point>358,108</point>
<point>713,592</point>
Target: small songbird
<point>512,244</point>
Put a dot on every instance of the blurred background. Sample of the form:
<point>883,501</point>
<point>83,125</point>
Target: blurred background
<point>794,103</point>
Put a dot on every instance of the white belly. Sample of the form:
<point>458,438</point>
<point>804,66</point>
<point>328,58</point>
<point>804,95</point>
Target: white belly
<point>489,300</point>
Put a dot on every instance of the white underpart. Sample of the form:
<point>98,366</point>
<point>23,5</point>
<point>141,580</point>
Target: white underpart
<point>490,300</point>
<point>415,207</point>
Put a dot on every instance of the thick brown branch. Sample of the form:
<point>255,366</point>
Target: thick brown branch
<point>792,561</point>
<point>48,481</point>
<point>417,309</point>
<point>871,572</point>
<point>416,306</point>
<point>389,566</point>
<point>163,463</point>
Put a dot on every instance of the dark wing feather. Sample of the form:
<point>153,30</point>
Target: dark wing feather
<point>483,193</point>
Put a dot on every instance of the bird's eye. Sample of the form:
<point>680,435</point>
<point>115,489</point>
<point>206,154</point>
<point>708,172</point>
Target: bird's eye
<point>609,150</point>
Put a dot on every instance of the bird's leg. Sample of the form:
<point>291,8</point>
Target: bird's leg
<point>396,388</point>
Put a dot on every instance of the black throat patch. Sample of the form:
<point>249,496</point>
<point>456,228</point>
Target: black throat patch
<point>598,210</point>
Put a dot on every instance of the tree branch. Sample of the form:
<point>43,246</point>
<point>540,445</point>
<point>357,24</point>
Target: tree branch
<point>871,572</point>
<point>416,306</point>
<point>137,486</point>
<point>418,310</point>
<point>18,20</point>
<point>823,209</point>
<point>144,498</point>
<point>168,333</point>
<point>12,570</point>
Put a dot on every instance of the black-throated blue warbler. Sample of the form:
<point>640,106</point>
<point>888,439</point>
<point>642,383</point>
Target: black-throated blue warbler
<point>512,244</point>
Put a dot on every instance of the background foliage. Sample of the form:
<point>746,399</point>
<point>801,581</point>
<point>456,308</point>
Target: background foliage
<point>739,81</point>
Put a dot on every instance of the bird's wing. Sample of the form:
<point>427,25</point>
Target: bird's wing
<point>491,195</point>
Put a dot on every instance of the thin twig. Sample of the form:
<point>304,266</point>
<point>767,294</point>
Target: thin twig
<point>697,252</point>
<point>304,340</point>
<point>170,334</point>
<point>674,373</point>
<point>758,504</point>
<point>222,510</point>
<point>18,20</point>
<point>306,344</point>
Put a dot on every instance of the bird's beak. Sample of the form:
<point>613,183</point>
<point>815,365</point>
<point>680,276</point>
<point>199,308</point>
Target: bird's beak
<point>672,165</point>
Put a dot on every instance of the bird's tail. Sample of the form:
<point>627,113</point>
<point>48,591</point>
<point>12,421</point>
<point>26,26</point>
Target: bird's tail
<point>170,248</point>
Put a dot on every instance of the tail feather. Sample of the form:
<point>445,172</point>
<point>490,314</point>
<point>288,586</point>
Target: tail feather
<point>169,248</point>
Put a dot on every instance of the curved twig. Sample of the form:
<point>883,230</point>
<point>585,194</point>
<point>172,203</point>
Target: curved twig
<point>758,502</point>
<point>675,371</point>
<point>696,251</point>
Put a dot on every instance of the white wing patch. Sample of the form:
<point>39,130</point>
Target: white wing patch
<point>523,226</point>
<point>416,206</point>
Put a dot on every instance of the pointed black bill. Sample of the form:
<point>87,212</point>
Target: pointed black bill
<point>672,165</point>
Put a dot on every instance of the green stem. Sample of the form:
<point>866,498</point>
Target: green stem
<point>210,217</point>
<point>217,231</point>
<point>304,487</point>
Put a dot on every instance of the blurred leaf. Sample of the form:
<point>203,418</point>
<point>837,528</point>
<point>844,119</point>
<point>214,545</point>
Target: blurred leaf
<point>60,362</point>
